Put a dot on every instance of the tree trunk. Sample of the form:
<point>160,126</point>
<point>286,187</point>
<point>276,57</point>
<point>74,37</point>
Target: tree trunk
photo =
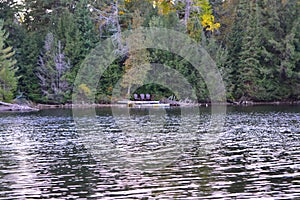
<point>187,13</point>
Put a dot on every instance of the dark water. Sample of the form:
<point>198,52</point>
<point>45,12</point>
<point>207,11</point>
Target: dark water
<point>46,154</point>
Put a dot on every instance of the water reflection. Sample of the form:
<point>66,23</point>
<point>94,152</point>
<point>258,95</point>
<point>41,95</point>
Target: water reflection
<point>42,158</point>
<point>42,155</point>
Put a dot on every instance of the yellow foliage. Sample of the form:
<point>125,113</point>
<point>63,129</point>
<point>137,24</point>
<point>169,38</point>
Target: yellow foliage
<point>164,6</point>
<point>85,90</point>
<point>208,22</point>
<point>206,16</point>
<point>109,89</point>
<point>207,19</point>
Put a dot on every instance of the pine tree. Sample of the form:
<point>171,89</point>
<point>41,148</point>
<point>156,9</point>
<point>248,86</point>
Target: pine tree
<point>82,37</point>
<point>10,13</point>
<point>8,81</point>
<point>234,45</point>
<point>290,53</point>
<point>249,56</point>
<point>27,57</point>
<point>68,33</point>
<point>86,26</point>
<point>43,15</point>
<point>280,49</point>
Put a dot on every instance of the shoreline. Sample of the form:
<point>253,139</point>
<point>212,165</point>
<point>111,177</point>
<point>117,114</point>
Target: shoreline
<point>248,103</point>
<point>70,106</point>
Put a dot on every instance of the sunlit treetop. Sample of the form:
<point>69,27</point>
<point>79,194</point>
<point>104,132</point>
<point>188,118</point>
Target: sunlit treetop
<point>164,6</point>
<point>201,9</point>
<point>206,15</point>
<point>207,21</point>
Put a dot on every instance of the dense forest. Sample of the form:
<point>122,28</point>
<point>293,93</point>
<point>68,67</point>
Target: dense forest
<point>255,44</point>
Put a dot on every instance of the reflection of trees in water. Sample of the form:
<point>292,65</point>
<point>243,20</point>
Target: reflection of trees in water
<point>18,176</point>
<point>43,159</point>
<point>46,157</point>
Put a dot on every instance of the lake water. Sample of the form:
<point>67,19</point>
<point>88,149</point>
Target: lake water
<point>151,154</point>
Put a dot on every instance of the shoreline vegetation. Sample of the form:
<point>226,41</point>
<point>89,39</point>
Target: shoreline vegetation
<point>52,50</point>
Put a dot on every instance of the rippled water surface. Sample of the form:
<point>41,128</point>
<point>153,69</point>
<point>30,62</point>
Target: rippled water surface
<point>151,154</point>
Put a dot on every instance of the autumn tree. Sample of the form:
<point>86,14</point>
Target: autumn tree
<point>137,64</point>
<point>198,16</point>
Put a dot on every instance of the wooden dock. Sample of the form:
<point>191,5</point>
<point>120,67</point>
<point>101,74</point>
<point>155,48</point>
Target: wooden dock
<point>144,104</point>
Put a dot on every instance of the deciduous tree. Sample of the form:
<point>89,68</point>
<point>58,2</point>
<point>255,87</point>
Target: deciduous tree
<point>137,64</point>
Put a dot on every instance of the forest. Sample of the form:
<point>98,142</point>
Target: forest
<point>254,43</point>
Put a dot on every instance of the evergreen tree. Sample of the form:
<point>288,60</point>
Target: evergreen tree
<point>83,38</point>
<point>67,32</point>
<point>86,26</point>
<point>42,15</point>
<point>9,12</point>
<point>28,54</point>
<point>219,55</point>
<point>280,52</point>
<point>290,53</point>
<point>8,81</point>
<point>249,56</point>
<point>234,45</point>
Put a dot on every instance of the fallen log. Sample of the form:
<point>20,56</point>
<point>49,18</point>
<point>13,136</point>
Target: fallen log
<point>15,107</point>
<point>5,104</point>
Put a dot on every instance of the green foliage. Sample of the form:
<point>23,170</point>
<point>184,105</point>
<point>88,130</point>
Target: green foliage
<point>27,57</point>
<point>262,51</point>
<point>8,81</point>
<point>108,80</point>
<point>256,48</point>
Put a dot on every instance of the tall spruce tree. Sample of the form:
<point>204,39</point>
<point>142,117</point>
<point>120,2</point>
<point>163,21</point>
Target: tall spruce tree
<point>290,54</point>
<point>280,49</point>
<point>234,45</point>
<point>249,57</point>
<point>8,81</point>
<point>86,25</point>
<point>69,35</point>
<point>27,56</point>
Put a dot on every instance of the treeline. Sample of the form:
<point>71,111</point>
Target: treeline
<point>255,44</point>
